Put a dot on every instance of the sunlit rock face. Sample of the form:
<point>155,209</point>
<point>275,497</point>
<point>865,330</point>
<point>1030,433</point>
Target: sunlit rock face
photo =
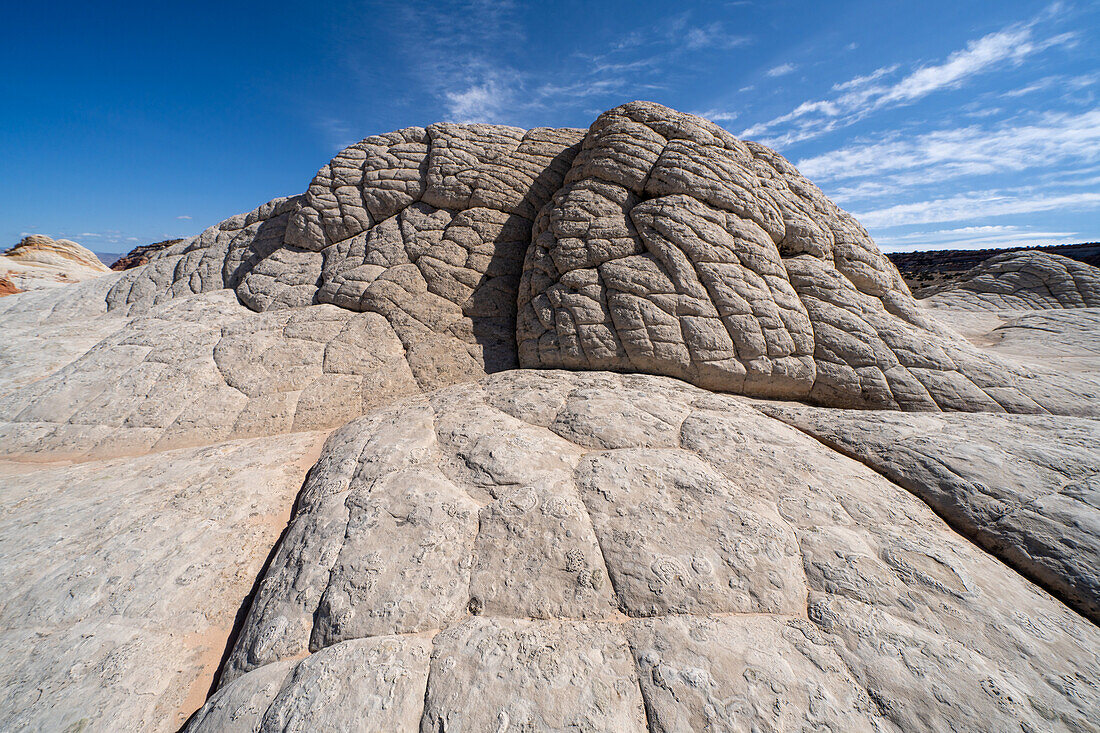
<point>620,544</point>
<point>654,242</point>
<point>1025,280</point>
<point>592,551</point>
<point>39,262</point>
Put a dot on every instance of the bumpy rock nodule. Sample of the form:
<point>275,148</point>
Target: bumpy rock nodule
<point>654,242</point>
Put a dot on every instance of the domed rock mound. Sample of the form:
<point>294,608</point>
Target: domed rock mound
<point>570,551</point>
<point>654,242</point>
<point>1025,280</point>
<point>41,262</point>
<point>674,248</point>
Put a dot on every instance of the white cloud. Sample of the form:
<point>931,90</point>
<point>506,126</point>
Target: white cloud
<point>483,102</point>
<point>712,36</point>
<point>976,237</point>
<point>1054,138</point>
<point>1006,47</point>
<point>717,115</point>
<point>183,216</point>
<point>780,70</point>
<point>862,95</point>
<point>975,206</point>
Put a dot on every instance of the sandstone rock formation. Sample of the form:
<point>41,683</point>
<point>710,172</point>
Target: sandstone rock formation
<point>7,287</point>
<point>1024,280</point>
<point>551,550</point>
<point>1025,487</point>
<point>123,578</point>
<point>141,255</point>
<point>542,549</point>
<point>40,262</point>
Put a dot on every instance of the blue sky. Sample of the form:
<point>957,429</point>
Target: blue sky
<point>939,124</point>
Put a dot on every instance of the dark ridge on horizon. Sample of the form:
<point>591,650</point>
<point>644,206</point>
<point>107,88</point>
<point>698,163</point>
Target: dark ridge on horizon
<point>927,270</point>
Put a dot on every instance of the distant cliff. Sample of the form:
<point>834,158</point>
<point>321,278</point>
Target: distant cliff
<point>927,271</point>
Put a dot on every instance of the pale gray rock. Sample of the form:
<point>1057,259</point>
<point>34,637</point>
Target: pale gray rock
<point>502,673</point>
<point>202,369</point>
<point>538,549</point>
<point>753,575</point>
<point>1023,280</point>
<point>1026,488</point>
<point>123,578</point>
<point>39,262</point>
<point>674,248</point>
<point>366,684</point>
<point>746,673</point>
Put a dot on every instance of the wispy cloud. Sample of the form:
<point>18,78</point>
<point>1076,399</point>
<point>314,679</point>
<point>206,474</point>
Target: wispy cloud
<point>337,133</point>
<point>717,115</point>
<point>974,206</point>
<point>862,95</point>
<point>974,237</point>
<point>472,54</point>
<point>781,70</point>
<point>1054,138</point>
<point>713,36</point>
<point>183,216</point>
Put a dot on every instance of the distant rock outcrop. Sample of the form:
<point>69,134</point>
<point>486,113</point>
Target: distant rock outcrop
<point>7,287</point>
<point>40,262</point>
<point>1028,280</point>
<point>141,254</point>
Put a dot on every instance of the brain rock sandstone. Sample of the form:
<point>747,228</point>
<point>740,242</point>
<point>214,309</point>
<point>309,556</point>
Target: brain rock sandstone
<point>654,242</point>
<point>616,547</point>
<point>1025,280</point>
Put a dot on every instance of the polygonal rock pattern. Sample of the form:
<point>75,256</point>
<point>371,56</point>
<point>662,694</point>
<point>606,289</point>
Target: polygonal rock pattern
<point>425,226</point>
<point>122,578</point>
<point>674,248</point>
<point>1023,280</point>
<point>202,369</point>
<point>656,242</point>
<point>1024,487</point>
<point>703,567</point>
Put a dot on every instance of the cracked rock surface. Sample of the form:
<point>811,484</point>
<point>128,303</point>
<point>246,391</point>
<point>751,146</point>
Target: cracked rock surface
<point>1023,280</point>
<point>674,248</point>
<point>123,577</point>
<point>653,242</point>
<point>541,549</point>
<point>1025,487</point>
<point>201,369</point>
<point>602,551</point>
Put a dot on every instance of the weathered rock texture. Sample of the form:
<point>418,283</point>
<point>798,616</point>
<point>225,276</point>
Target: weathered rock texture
<point>1025,487</point>
<point>202,369</point>
<point>141,255</point>
<point>7,287</point>
<point>592,551</point>
<point>1023,280</point>
<point>122,578</point>
<point>40,262</point>
<point>674,248</point>
<point>655,242</point>
<point>425,226</point>
<point>541,549</point>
